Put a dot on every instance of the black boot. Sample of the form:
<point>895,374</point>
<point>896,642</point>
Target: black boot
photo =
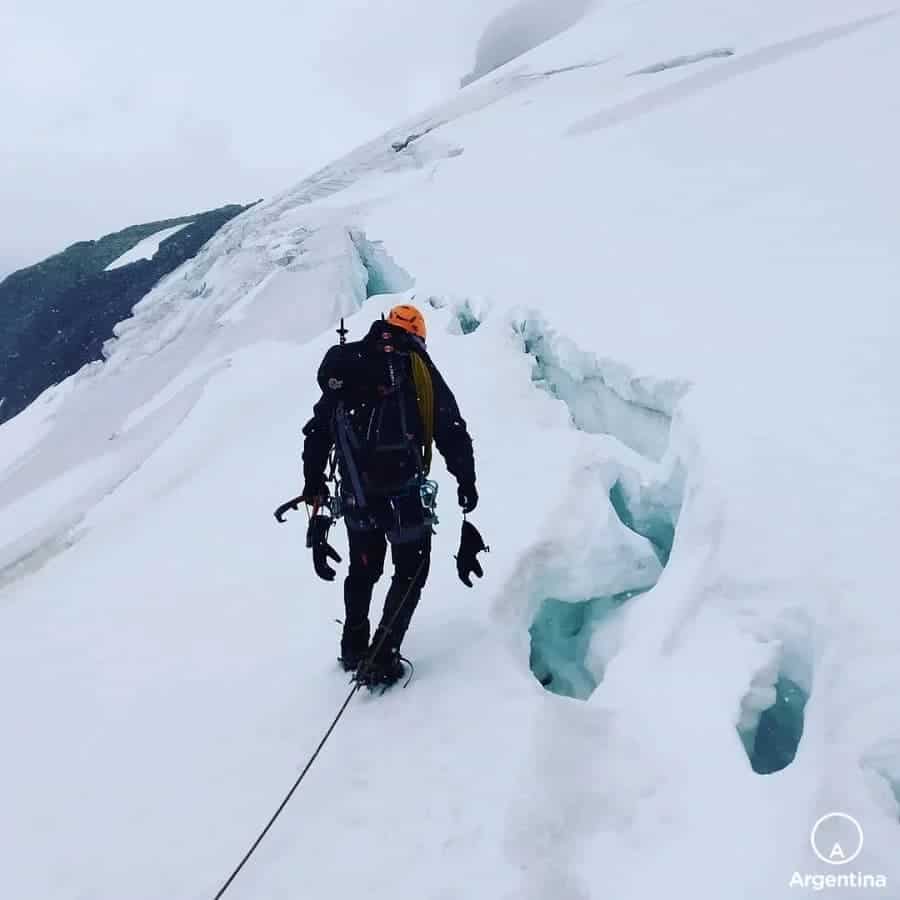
<point>354,646</point>
<point>385,668</point>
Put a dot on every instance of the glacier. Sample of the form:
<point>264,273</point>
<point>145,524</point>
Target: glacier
<point>667,305</point>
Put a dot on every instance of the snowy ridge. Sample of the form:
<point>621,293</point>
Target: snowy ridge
<point>146,248</point>
<point>667,306</point>
<point>273,234</point>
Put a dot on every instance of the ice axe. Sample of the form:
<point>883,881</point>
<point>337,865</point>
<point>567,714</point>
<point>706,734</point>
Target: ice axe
<point>293,504</point>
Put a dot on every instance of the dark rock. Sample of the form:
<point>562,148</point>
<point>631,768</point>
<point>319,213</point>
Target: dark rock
<point>55,316</point>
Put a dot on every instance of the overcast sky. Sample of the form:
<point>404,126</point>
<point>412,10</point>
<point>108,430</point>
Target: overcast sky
<point>116,113</point>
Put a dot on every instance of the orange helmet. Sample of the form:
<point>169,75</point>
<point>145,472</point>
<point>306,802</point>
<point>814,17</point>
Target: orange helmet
<point>409,319</point>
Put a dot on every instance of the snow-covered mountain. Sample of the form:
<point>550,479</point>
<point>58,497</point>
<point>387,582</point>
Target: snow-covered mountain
<point>657,256</point>
<point>56,315</point>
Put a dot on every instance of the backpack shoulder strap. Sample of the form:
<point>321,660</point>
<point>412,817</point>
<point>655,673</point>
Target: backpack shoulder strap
<point>425,400</point>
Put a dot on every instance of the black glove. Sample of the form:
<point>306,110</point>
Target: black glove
<point>314,491</point>
<point>470,545</point>
<point>317,539</point>
<point>467,496</point>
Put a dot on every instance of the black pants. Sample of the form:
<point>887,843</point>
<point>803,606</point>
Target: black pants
<point>411,557</point>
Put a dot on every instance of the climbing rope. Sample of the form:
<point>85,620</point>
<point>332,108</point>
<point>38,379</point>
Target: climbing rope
<point>287,798</point>
<point>356,686</point>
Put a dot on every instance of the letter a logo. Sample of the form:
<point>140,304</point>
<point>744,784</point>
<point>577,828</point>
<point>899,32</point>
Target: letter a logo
<point>838,829</point>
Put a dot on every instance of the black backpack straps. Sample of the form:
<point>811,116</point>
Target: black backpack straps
<point>347,443</point>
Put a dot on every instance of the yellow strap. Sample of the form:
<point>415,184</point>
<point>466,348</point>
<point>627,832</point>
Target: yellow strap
<point>425,399</point>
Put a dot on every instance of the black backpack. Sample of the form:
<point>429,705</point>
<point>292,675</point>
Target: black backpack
<point>384,412</point>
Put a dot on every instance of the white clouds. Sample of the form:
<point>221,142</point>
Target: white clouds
<point>115,114</point>
<point>121,113</point>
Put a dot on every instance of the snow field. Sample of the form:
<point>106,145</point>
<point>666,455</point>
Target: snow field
<point>666,304</point>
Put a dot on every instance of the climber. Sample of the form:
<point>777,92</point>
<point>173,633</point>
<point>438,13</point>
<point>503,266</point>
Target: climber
<point>383,401</point>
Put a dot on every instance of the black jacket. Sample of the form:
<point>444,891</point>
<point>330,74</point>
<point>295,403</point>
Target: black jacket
<point>354,373</point>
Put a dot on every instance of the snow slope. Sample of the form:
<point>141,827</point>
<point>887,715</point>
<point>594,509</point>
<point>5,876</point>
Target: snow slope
<point>146,248</point>
<point>657,257</point>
